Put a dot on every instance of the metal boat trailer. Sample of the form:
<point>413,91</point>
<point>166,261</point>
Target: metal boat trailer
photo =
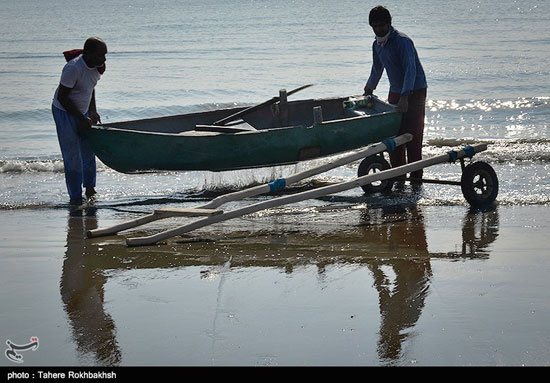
<point>479,185</point>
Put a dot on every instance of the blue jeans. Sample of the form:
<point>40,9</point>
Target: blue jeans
<point>78,156</point>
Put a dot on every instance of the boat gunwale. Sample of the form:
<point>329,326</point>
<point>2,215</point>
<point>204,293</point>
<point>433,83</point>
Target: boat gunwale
<point>255,131</point>
<point>110,125</point>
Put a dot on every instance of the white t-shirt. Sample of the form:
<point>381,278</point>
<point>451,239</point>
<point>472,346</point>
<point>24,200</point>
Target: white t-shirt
<point>82,80</point>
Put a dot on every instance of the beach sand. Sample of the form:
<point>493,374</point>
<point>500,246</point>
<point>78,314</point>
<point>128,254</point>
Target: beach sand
<point>337,284</point>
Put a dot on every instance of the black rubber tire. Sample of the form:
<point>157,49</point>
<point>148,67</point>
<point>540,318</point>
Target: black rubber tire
<point>479,184</point>
<point>374,164</point>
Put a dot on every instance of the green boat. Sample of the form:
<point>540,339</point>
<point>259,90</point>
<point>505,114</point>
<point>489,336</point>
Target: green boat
<point>276,132</point>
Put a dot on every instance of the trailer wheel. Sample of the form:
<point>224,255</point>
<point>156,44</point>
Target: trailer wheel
<point>479,184</point>
<point>371,165</point>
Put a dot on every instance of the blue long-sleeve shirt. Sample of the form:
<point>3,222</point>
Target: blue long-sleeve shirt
<point>400,59</point>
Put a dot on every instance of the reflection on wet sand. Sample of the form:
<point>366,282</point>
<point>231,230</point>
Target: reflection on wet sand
<point>401,301</point>
<point>390,241</point>
<point>479,230</point>
<point>82,292</point>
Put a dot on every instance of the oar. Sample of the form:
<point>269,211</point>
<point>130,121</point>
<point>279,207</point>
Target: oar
<point>234,116</point>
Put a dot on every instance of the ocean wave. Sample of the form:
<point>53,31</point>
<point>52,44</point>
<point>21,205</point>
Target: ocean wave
<point>536,150</point>
<point>36,114</point>
<point>145,204</point>
<point>487,105</point>
<point>31,166</point>
<point>444,142</point>
<point>30,205</point>
<point>499,151</point>
<point>38,166</point>
<point>28,56</point>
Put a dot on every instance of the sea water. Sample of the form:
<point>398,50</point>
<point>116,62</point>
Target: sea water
<point>487,66</point>
<point>328,282</point>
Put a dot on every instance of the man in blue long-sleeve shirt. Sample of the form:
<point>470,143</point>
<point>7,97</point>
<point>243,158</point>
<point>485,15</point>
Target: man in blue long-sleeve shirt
<point>395,52</point>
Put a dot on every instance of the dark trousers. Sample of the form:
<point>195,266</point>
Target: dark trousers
<point>412,122</point>
<point>78,157</point>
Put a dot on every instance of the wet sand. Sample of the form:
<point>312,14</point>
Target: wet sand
<point>335,284</point>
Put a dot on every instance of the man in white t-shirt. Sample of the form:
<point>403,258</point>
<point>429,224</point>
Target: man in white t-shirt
<point>74,112</point>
